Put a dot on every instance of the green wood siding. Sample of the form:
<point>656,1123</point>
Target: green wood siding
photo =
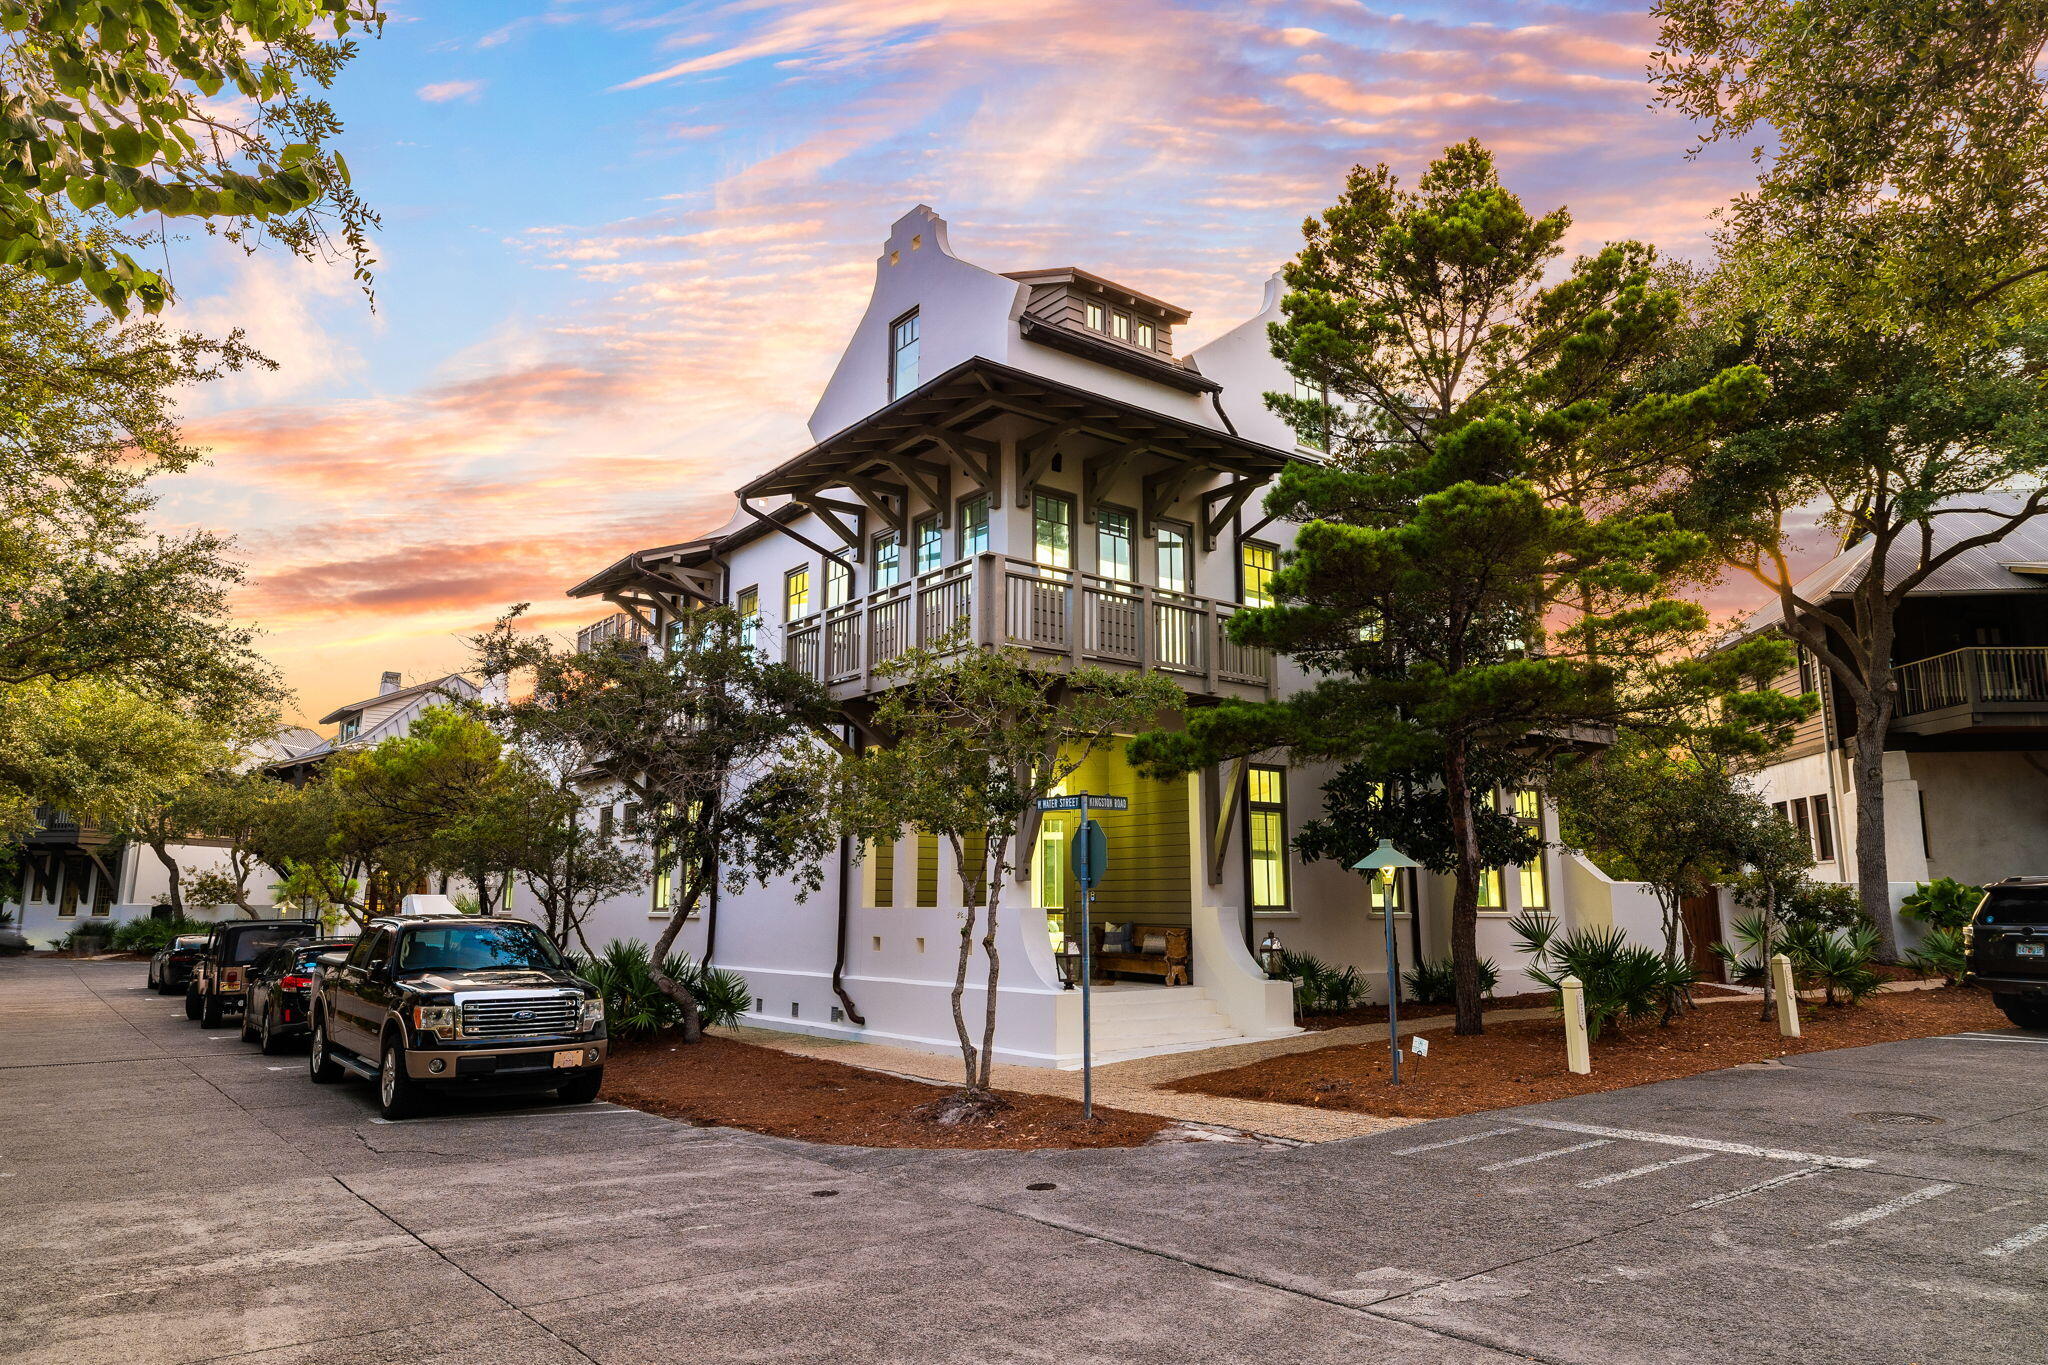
<point>1150,875</point>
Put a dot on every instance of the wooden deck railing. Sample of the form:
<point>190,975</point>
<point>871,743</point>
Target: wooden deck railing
<point>2000,676</point>
<point>1001,601</point>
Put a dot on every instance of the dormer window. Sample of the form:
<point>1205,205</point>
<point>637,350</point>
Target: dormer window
<point>1095,317</point>
<point>903,355</point>
<point>349,728</point>
<point>1120,326</point>
<point>1141,334</point>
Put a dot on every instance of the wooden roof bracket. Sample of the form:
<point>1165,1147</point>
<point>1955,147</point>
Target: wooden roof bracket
<point>1163,489</point>
<point>775,524</point>
<point>1100,470</point>
<point>1035,456</point>
<point>1232,498</point>
<point>831,510</point>
<point>1224,802</point>
<point>937,490</point>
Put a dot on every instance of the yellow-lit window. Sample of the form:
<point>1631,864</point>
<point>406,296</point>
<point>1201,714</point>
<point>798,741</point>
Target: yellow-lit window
<point>748,604</point>
<point>974,867</point>
<point>1266,836</point>
<point>882,858</point>
<point>1528,808</point>
<point>1051,870</point>
<point>796,594</point>
<point>1258,561</point>
<point>927,871</point>
<point>1490,890</point>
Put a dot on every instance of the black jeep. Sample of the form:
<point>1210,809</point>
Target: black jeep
<point>220,971</point>
<point>2008,948</point>
<point>425,1001</point>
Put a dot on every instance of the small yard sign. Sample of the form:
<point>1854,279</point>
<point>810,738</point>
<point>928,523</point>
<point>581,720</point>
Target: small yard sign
<point>1419,1045</point>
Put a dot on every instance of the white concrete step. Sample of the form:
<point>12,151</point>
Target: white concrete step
<point>1144,1021</point>
<point>1169,1003</point>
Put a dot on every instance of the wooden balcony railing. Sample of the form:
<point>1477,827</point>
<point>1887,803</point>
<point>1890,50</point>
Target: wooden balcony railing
<point>1001,601</point>
<point>1981,677</point>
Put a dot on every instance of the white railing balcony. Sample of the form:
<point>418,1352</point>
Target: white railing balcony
<point>1974,685</point>
<point>999,601</point>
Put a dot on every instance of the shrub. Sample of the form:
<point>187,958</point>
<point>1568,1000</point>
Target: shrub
<point>1622,980</point>
<point>148,935</point>
<point>1320,988</point>
<point>1836,961</point>
<point>1943,903</point>
<point>88,937</point>
<point>635,1007</point>
<point>1941,953</point>
<point>1435,983</point>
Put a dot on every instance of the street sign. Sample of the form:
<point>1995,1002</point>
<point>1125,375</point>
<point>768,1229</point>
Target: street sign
<point>1094,803</point>
<point>1091,854</point>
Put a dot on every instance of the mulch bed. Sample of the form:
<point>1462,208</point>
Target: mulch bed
<point>1522,1062</point>
<point>723,1083</point>
<point>1377,1014</point>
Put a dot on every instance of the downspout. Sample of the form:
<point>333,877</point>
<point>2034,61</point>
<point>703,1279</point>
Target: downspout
<point>839,945</point>
<point>1216,398</point>
<point>711,916</point>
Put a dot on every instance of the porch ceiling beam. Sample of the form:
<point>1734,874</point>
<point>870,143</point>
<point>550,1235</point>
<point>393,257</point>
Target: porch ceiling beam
<point>1226,816</point>
<point>1098,473</point>
<point>913,472</point>
<point>701,584</point>
<point>834,513</point>
<point>1035,455</point>
<point>635,609</point>
<point>1222,504</point>
<point>983,459</point>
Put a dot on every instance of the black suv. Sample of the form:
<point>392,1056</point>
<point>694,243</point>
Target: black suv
<point>425,1001</point>
<point>217,974</point>
<point>278,994</point>
<point>171,968</point>
<point>2008,948</point>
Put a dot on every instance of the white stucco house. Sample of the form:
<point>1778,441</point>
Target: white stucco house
<point>1033,454</point>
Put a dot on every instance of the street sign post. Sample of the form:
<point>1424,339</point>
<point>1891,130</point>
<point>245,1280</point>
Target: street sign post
<point>1090,861</point>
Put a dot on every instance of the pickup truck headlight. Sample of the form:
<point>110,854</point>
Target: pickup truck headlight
<point>438,1018</point>
<point>591,1017</point>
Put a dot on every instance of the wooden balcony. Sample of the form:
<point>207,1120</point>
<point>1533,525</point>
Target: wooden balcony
<point>1079,617</point>
<point>1986,688</point>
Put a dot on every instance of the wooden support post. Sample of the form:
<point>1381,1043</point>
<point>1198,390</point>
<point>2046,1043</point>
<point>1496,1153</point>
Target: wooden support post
<point>1788,996</point>
<point>1578,1053</point>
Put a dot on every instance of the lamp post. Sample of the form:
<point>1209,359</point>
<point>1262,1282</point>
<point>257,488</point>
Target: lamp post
<point>1068,960</point>
<point>1380,865</point>
<point>1272,956</point>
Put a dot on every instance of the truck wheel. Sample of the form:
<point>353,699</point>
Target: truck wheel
<point>192,1000</point>
<point>319,1065</point>
<point>583,1088</point>
<point>210,1011</point>
<point>248,1024</point>
<point>398,1095</point>
<point>2026,1013</point>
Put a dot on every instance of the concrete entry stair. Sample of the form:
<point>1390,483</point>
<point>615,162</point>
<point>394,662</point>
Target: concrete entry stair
<point>1144,1021</point>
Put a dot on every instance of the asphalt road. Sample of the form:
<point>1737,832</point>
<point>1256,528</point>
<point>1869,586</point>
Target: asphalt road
<point>168,1194</point>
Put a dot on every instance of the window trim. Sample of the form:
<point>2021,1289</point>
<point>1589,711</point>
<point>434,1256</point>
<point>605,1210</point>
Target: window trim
<point>1244,545</point>
<point>917,527</point>
<point>1130,516</point>
<point>1186,533</point>
<point>875,542</point>
<point>789,613</point>
<point>1279,808</point>
<point>750,617</point>
<point>895,376</point>
<point>1067,501</point>
<point>960,523</point>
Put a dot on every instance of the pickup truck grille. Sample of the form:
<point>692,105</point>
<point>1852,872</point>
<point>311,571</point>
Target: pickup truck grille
<point>519,1018</point>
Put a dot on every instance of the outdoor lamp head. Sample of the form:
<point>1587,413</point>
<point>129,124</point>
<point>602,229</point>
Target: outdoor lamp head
<point>1383,860</point>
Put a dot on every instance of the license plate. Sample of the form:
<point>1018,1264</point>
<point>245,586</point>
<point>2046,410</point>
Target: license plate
<point>2033,950</point>
<point>573,1057</point>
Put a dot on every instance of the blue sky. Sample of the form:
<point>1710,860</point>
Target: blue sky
<point>623,243</point>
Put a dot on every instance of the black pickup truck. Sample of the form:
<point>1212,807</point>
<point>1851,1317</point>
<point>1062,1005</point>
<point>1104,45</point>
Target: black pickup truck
<point>2008,948</point>
<point>426,1001</point>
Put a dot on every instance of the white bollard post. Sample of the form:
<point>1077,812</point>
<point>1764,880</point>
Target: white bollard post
<point>1578,1055</point>
<point>1788,996</point>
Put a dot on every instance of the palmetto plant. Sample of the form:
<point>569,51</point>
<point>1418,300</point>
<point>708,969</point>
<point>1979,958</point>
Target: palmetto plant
<point>635,1005</point>
<point>1320,988</point>
<point>1433,983</point>
<point>1622,980</point>
<point>1941,953</point>
<point>1836,961</point>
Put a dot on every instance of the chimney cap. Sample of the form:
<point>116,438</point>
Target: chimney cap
<point>389,683</point>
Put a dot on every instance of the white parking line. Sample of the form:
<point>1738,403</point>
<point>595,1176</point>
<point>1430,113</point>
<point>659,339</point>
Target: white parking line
<point>1892,1206</point>
<point>1545,1156</point>
<point>1990,1038</point>
<point>1759,1187</point>
<point>2019,1241</point>
<point>1620,1176</point>
<point>1453,1142</point>
<point>1700,1143</point>
<point>575,1111</point>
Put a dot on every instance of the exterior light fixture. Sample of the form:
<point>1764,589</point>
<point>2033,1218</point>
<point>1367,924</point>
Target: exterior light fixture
<point>1380,865</point>
<point>1068,960</point>
<point>1272,956</point>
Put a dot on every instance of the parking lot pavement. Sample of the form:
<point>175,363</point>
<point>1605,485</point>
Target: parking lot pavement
<point>172,1195</point>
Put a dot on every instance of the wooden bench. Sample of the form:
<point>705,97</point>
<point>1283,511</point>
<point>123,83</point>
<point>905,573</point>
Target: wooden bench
<point>1175,964</point>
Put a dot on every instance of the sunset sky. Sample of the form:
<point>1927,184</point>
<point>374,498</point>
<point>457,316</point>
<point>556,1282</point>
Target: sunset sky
<point>623,243</point>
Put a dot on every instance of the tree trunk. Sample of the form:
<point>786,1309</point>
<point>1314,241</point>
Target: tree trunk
<point>1465,899</point>
<point>993,894</point>
<point>692,1023</point>
<point>172,873</point>
<point>1873,873</point>
<point>1668,909</point>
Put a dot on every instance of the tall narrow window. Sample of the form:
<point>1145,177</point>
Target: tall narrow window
<point>1113,543</point>
<point>931,546</point>
<point>1170,545</point>
<point>1805,670</point>
<point>1095,316</point>
<point>882,857</point>
<point>1050,874</point>
<point>664,882</point>
<point>1266,829</point>
<point>747,602</point>
<point>1305,392</point>
<point>927,871</point>
<point>1257,564</point>
<point>903,355</point>
<point>888,559</point>
<point>796,594</point>
<point>1120,326</point>
<point>1052,531</point>
<point>1823,832</point>
<point>838,584</point>
<point>1535,889</point>
<point>1802,820</point>
<point>1142,335</point>
<point>973,525</point>
<point>1489,890</point>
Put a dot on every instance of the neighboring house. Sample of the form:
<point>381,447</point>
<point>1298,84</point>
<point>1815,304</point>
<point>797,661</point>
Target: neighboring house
<point>71,872</point>
<point>360,724</point>
<point>1033,457</point>
<point>1966,762</point>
